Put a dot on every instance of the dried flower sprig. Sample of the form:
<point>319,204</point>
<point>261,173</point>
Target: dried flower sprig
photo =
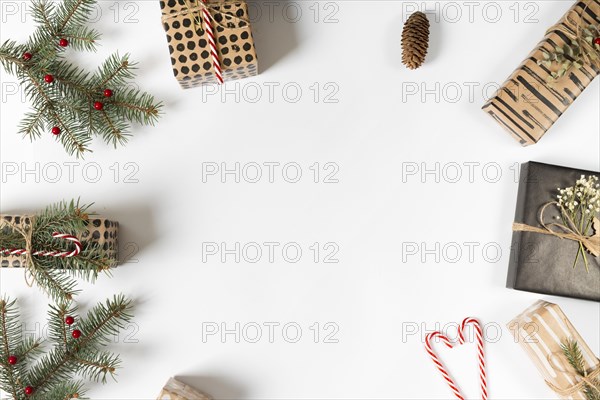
<point>573,55</point>
<point>579,205</point>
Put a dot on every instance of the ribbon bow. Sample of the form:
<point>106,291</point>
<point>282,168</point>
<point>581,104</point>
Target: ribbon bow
<point>569,231</point>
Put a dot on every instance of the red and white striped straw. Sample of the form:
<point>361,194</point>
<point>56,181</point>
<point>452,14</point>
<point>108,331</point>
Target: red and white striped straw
<point>439,364</point>
<point>51,253</point>
<point>480,351</point>
<point>208,26</point>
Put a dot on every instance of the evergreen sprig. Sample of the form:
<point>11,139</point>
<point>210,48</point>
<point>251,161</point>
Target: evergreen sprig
<point>57,275</point>
<point>56,374</point>
<point>68,102</point>
<point>573,354</point>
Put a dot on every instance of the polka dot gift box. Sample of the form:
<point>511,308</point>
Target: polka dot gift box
<point>209,41</point>
<point>100,233</point>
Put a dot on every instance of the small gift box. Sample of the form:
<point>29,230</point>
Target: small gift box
<point>561,355</point>
<point>100,234</point>
<point>209,42</point>
<point>175,390</point>
<point>553,75</point>
<point>556,234</point>
<point>58,244</point>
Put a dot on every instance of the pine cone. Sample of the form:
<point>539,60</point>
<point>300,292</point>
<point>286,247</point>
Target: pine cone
<point>415,40</point>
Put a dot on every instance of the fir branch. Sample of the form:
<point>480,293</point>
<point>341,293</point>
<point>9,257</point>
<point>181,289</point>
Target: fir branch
<point>73,12</point>
<point>8,333</point>
<point>67,103</point>
<point>63,391</point>
<point>56,284</point>
<point>82,38</point>
<point>11,56</point>
<point>83,355</point>
<point>137,106</point>
<point>573,354</point>
<point>32,124</point>
<point>41,11</point>
<point>115,71</point>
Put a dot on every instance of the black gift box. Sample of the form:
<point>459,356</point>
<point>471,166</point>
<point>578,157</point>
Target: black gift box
<point>543,263</point>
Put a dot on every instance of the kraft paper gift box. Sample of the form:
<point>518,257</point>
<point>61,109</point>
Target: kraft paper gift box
<point>527,105</point>
<point>100,231</point>
<point>543,263</point>
<point>542,330</point>
<point>175,390</point>
<point>189,45</point>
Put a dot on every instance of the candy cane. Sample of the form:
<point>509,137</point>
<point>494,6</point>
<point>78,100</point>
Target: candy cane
<point>211,42</point>
<point>51,253</point>
<point>480,353</point>
<point>439,364</point>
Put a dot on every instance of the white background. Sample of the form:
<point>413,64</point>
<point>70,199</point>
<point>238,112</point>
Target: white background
<point>365,121</point>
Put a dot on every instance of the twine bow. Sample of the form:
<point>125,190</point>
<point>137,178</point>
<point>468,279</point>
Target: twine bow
<point>569,231</point>
<point>589,379</point>
<point>26,231</point>
<point>570,26</point>
<point>204,9</point>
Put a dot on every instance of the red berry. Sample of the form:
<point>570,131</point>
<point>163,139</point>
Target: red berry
<point>108,93</point>
<point>28,390</point>
<point>76,334</point>
<point>27,56</point>
<point>49,78</point>
<point>69,320</point>
<point>98,106</point>
<point>597,41</point>
<point>12,360</point>
<point>56,130</point>
<point>63,42</point>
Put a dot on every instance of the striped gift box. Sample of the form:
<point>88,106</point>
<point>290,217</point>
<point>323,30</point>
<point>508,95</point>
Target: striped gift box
<point>527,105</point>
<point>540,330</point>
<point>175,390</point>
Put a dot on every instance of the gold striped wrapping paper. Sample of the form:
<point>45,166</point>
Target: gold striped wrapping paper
<point>175,390</point>
<point>526,105</point>
<point>540,330</point>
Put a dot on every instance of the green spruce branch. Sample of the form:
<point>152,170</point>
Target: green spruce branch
<point>573,354</point>
<point>51,369</point>
<point>56,275</point>
<point>67,101</point>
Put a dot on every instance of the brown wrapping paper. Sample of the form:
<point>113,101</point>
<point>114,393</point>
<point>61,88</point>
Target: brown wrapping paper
<point>540,330</point>
<point>527,105</point>
<point>100,230</point>
<point>175,390</point>
<point>188,40</point>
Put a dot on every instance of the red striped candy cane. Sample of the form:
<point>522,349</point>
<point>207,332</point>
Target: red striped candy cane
<point>211,42</point>
<point>480,352</point>
<point>51,253</point>
<point>439,364</point>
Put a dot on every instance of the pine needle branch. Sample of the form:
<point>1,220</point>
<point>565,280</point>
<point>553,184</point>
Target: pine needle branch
<point>51,375</point>
<point>68,101</point>
<point>573,354</point>
<point>58,276</point>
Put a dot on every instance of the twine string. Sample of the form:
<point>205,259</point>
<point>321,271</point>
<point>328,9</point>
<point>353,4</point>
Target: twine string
<point>26,231</point>
<point>570,26</point>
<point>568,231</point>
<point>589,379</point>
<point>205,11</point>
